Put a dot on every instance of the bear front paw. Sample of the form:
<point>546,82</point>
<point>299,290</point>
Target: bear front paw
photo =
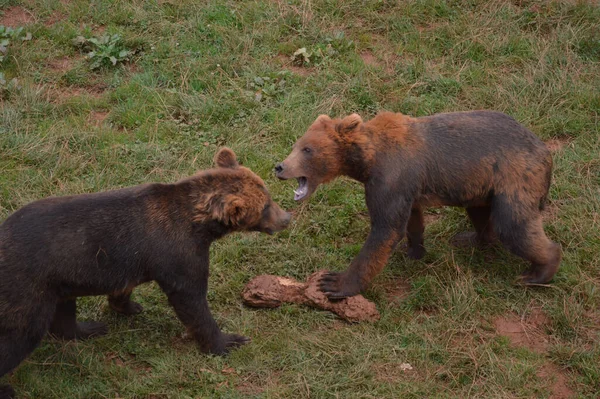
<point>229,342</point>
<point>417,252</point>
<point>220,345</point>
<point>338,285</point>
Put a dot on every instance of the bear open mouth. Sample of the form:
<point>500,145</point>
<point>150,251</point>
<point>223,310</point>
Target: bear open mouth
<point>302,188</point>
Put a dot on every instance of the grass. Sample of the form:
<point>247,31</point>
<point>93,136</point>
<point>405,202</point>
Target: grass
<point>208,73</point>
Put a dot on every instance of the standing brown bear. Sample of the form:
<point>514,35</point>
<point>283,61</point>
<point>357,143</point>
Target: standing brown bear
<point>57,249</point>
<point>484,161</point>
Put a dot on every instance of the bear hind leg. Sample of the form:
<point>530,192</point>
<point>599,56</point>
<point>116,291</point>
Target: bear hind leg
<point>16,345</point>
<point>65,326</point>
<point>414,234</point>
<point>6,392</point>
<point>121,303</point>
<point>525,237</point>
<point>483,234</point>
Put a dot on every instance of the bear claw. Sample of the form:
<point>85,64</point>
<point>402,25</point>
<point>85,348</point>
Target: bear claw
<point>235,341</point>
<point>91,329</point>
<point>335,286</point>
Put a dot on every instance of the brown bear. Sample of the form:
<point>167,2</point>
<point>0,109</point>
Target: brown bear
<point>57,249</point>
<point>483,161</point>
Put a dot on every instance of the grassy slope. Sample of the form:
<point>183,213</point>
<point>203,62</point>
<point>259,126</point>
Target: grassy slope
<point>190,91</point>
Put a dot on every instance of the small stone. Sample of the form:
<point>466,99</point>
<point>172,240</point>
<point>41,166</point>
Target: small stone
<point>405,366</point>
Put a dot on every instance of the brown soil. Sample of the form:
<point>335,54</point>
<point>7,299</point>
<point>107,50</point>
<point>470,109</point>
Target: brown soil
<point>249,388</point>
<point>396,290</point>
<point>368,58</point>
<point>253,384</point>
<point>64,94</point>
<point>132,68</point>
<point>16,16</point>
<point>271,291</point>
<point>112,357</point>
<point>63,64</point>
<point>99,29</point>
<point>392,372</point>
<point>55,18</point>
<point>557,381</point>
<point>387,59</point>
<point>526,331</point>
<point>287,64</point>
<point>97,117</point>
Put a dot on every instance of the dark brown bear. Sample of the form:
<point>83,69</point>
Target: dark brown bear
<point>482,160</point>
<point>57,249</point>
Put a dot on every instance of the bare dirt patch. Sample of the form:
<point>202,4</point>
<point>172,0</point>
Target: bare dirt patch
<point>557,144</point>
<point>253,384</point>
<point>55,18</point>
<point>368,58</point>
<point>249,388</point>
<point>98,117</point>
<point>557,381</point>
<point>286,63</point>
<point>100,29</point>
<point>396,290</point>
<point>16,16</point>
<point>63,64</point>
<point>393,372</point>
<point>128,360</point>
<point>61,95</point>
<point>132,68</point>
<point>113,357</point>
<point>386,55</point>
<point>527,331</point>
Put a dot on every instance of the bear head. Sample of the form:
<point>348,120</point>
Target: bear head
<point>323,153</point>
<point>235,197</point>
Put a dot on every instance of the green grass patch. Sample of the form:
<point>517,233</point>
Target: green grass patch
<point>212,73</point>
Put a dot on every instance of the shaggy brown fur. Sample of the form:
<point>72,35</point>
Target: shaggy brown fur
<point>57,249</point>
<point>483,161</point>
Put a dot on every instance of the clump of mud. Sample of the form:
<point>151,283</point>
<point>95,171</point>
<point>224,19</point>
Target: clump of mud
<point>268,291</point>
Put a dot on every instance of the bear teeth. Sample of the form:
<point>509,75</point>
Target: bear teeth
<point>302,189</point>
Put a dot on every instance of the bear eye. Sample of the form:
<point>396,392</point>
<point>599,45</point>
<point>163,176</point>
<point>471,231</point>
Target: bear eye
<point>266,208</point>
<point>307,150</point>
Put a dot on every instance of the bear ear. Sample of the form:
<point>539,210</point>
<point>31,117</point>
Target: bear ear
<point>348,123</point>
<point>322,120</point>
<point>225,158</point>
<point>231,211</point>
<point>228,209</point>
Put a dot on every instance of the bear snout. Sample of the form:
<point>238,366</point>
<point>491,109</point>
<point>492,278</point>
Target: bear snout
<point>279,170</point>
<point>285,221</point>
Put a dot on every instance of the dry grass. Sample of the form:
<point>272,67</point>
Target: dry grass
<point>454,316</point>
